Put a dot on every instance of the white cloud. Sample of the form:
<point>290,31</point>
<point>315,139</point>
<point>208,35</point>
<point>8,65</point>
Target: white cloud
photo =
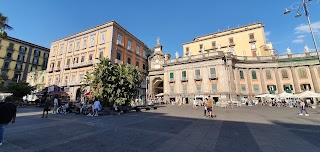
<point>301,36</point>
<point>304,28</point>
<point>267,34</point>
<point>298,41</point>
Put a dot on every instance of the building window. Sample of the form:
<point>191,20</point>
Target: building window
<point>20,58</point>
<point>231,42</point>
<point>213,73</point>
<point>268,75</point>
<point>284,74</point>
<point>54,51</point>
<point>36,53</point>
<point>35,61</point>
<point>101,53</point>
<point>243,88</point>
<point>272,88</point>
<point>11,46</point>
<point>81,76</point>
<point>197,71</point>
<point>187,50</point>
<point>144,54</point>
<point>70,46</point>
<point>66,79</point>
<point>46,55</point>
<point>9,55</point>
<point>144,67</point>
<point>6,65</point>
<point>78,45</point>
<point>253,46</point>
<point>45,63</point>
<point>61,49</point>
<point>214,44</point>
<point>18,67</point>
<point>137,63</point>
<point>119,55</point>
<point>57,79</point>
<point>214,88</point>
<point>59,63</point>
<point>254,74</point>
<point>68,62</point>
<point>241,75</point>
<point>129,46</point>
<point>305,87</point>
<point>92,41</point>
<point>138,50</point>
<point>75,60</point>
<point>103,38</point>
<point>119,39</point>
<point>302,73</point>
<point>201,47</point>
<point>288,88</point>
<point>251,37</point>
<point>198,88</point>
<point>256,89</point>
<point>73,77</point>
<point>90,57</point>
<point>184,88</point>
<point>129,60</point>
<point>83,57</point>
<point>171,89</point>
<point>171,76</point>
<point>22,49</point>
<point>84,45</point>
<point>184,75</point>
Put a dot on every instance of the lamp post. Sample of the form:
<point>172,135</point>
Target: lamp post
<point>299,7</point>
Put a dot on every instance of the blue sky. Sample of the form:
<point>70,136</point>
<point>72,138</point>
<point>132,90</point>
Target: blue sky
<point>174,21</point>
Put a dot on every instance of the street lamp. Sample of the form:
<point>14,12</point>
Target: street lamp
<point>299,7</point>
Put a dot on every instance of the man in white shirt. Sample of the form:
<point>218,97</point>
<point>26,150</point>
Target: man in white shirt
<point>55,105</point>
<point>96,107</point>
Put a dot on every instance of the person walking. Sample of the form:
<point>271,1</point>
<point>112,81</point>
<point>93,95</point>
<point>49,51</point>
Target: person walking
<point>55,105</point>
<point>96,107</point>
<point>205,107</point>
<point>303,108</point>
<point>194,103</point>
<point>210,107</point>
<point>46,107</point>
<point>8,114</point>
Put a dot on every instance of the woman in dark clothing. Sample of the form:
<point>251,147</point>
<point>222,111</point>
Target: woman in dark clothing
<point>46,108</point>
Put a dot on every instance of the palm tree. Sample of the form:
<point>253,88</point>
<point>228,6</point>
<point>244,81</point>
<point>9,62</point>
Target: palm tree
<point>4,26</point>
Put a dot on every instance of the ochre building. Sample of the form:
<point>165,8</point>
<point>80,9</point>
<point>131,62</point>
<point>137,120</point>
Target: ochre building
<point>18,57</point>
<point>249,40</point>
<point>73,56</point>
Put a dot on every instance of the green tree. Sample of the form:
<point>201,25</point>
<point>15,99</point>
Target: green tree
<point>4,25</point>
<point>113,83</point>
<point>19,89</point>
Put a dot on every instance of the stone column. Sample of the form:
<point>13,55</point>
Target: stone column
<point>262,80</point>
<point>249,82</point>
<point>237,80</point>
<point>295,81</point>
<point>279,87</point>
<point>232,84</point>
<point>314,79</point>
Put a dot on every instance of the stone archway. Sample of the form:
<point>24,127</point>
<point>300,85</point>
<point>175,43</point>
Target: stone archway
<point>157,86</point>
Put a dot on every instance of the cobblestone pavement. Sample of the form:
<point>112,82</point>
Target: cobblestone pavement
<point>169,128</point>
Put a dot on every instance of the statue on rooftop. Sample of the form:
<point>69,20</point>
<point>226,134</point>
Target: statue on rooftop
<point>158,40</point>
<point>306,49</point>
<point>219,47</point>
<point>177,55</point>
<point>288,51</point>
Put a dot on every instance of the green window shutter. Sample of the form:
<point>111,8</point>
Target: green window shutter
<point>291,88</point>
<point>268,87</point>
<point>274,87</point>
<point>171,75</point>
<point>241,75</point>
<point>197,72</point>
<point>254,75</point>
<point>184,74</point>
<point>284,87</point>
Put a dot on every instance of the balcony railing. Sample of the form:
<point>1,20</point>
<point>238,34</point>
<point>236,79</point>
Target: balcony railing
<point>171,80</point>
<point>198,78</point>
<point>232,44</point>
<point>252,40</point>
<point>184,79</point>
<point>213,77</point>
<point>120,43</point>
<point>118,61</point>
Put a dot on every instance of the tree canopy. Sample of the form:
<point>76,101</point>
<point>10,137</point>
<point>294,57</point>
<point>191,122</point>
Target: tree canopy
<point>19,89</point>
<point>4,26</point>
<point>113,83</point>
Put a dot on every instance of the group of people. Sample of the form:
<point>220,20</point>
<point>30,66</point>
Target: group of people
<point>208,107</point>
<point>91,109</point>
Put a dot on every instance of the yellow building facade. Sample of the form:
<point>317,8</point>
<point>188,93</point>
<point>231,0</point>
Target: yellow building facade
<point>18,57</point>
<point>74,56</point>
<point>247,40</point>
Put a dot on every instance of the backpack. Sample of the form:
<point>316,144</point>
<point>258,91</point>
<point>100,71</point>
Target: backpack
<point>7,112</point>
<point>100,107</point>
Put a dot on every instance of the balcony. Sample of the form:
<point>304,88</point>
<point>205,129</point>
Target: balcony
<point>171,80</point>
<point>232,44</point>
<point>57,69</point>
<point>118,61</point>
<point>198,78</point>
<point>120,43</point>
<point>252,40</point>
<point>50,69</point>
<point>184,79</point>
<point>184,91</point>
<point>213,77</point>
